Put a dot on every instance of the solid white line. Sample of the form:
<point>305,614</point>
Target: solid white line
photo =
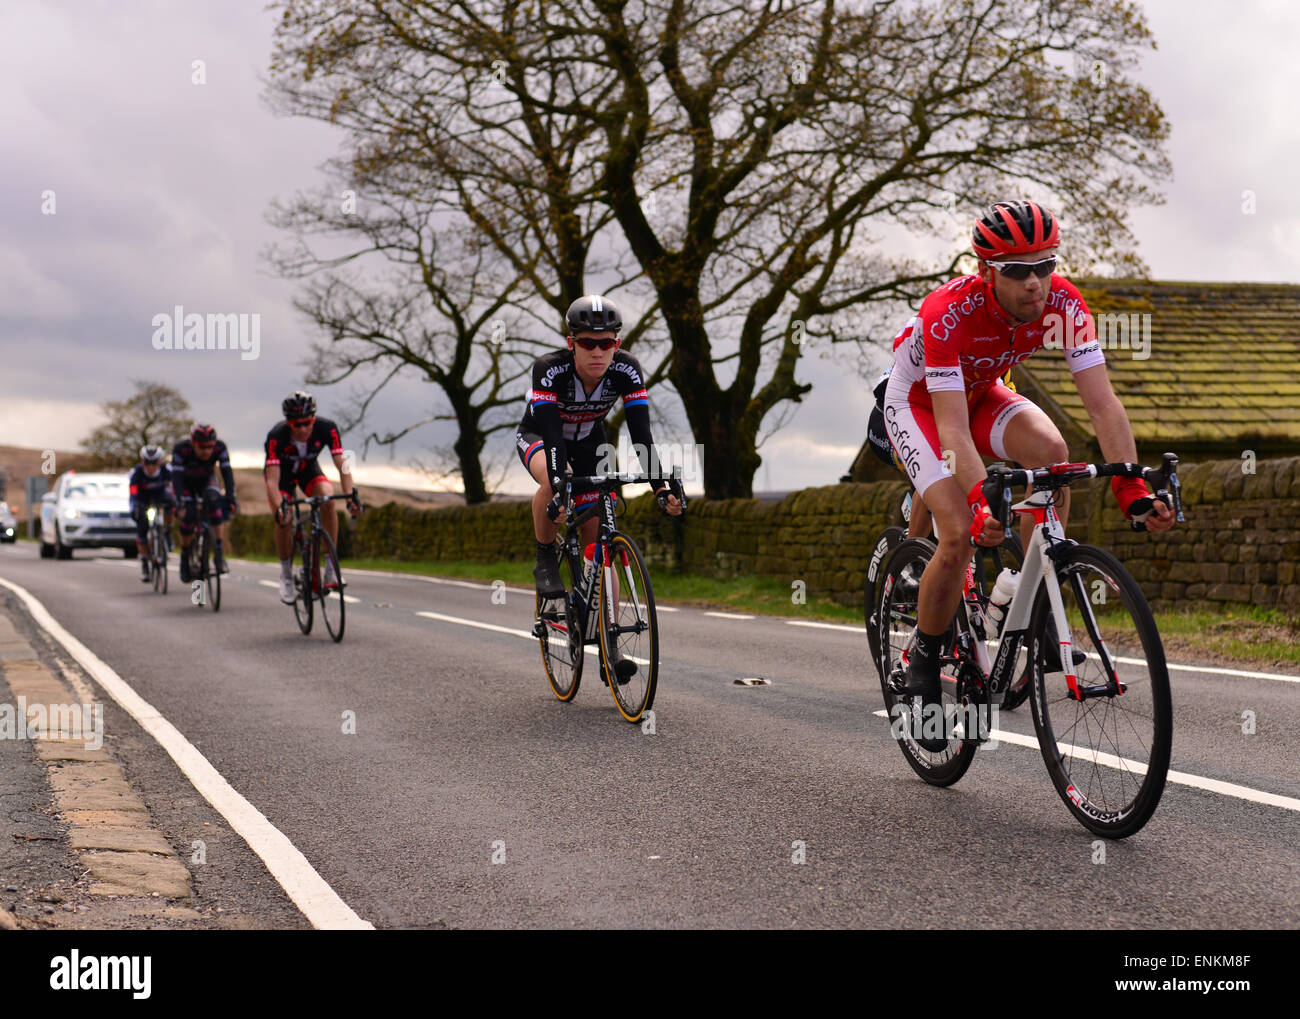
<point>591,649</point>
<point>1172,666</point>
<point>825,626</point>
<point>1212,785</point>
<point>308,890</point>
<point>727,615</point>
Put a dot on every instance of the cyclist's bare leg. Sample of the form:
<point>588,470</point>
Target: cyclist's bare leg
<point>542,525</point>
<point>329,516</point>
<point>941,583</point>
<point>1033,440</point>
<point>918,523</point>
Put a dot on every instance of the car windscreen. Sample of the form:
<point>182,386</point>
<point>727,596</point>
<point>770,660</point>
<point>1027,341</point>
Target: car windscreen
<point>96,490</point>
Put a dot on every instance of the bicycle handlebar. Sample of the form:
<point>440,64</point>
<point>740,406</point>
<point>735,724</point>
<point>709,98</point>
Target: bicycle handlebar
<point>563,486</point>
<point>1001,478</point>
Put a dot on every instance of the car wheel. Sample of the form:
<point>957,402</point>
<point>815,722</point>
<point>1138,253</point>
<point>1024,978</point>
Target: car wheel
<point>131,553</point>
<point>47,550</point>
<point>61,551</point>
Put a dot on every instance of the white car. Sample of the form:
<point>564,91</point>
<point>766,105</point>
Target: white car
<point>87,511</point>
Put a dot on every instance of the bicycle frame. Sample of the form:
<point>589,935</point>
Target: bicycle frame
<point>999,669</point>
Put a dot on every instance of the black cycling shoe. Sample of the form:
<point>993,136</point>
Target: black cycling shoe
<point>624,668</point>
<point>928,690</point>
<point>144,571</point>
<point>185,566</point>
<point>219,561</point>
<point>547,575</point>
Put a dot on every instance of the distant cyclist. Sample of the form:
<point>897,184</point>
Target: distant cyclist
<point>944,394</point>
<point>195,463</point>
<point>151,485</point>
<point>572,392</point>
<point>292,447</point>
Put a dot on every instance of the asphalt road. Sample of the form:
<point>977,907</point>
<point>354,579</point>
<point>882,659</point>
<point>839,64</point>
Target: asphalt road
<point>461,755</point>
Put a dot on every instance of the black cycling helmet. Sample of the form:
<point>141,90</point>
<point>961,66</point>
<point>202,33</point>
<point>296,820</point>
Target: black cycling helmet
<point>299,405</point>
<point>1014,228</point>
<point>593,314</point>
<point>151,454</point>
<point>203,432</point>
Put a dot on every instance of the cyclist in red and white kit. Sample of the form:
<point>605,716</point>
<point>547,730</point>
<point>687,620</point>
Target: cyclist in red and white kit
<point>944,394</point>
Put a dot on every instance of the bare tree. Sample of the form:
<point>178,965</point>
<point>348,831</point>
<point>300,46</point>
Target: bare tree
<point>762,163</point>
<point>155,414</point>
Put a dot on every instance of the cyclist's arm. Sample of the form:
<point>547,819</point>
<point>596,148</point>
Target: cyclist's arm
<point>345,479</point>
<point>1109,420</point>
<point>271,474</point>
<point>227,474</point>
<point>178,472</point>
<point>547,418</point>
<point>637,415</point>
<point>134,487</point>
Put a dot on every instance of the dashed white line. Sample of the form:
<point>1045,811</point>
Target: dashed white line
<point>727,615</point>
<point>309,891</point>
<point>824,626</point>
<point>591,648</point>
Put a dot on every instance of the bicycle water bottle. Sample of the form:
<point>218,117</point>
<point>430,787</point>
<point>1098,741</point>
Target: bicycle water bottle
<point>1003,591</point>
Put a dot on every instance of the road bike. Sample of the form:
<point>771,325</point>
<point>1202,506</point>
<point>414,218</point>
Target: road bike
<point>1106,741</point>
<point>315,556</point>
<point>203,573</point>
<point>157,555</point>
<point>611,606</point>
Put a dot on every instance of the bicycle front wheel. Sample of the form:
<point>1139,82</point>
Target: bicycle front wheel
<point>302,578</point>
<point>559,632</point>
<point>158,560</point>
<point>332,606</point>
<point>629,630</point>
<point>210,572</point>
<point>1107,752</point>
<point>890,538</point>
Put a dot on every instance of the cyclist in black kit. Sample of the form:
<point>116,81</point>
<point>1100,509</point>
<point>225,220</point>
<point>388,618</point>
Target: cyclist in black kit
<point>572,391</point>
<point>151,485</point>
<point>195,462</point>
<point>292,447</point>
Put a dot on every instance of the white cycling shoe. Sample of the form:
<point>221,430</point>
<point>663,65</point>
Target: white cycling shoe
<point>288,592</point>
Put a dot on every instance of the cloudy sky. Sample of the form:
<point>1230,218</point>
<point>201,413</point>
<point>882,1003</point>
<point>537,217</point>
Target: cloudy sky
<point>160,189</point>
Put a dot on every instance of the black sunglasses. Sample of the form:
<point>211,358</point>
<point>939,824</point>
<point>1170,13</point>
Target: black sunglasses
<point>1021,270</point>
<point>587,343</point>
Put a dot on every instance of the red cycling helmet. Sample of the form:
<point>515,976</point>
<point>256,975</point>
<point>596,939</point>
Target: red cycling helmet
<point>202,432</point>
<point>1014,228</point>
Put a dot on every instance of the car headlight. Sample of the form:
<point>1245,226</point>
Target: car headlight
<point>9,531</point>
<point>71,512</point>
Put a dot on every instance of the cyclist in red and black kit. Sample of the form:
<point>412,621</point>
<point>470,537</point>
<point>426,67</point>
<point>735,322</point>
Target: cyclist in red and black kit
<point>195,462</point>
<point>292,447</point>
<point>944,393</point>
<point>572,391</point>
<point>150,485</point>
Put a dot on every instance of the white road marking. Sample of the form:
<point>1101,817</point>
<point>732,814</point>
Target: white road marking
<point>1212,785</point>
<point>276,584</point>
<point>591,649</point>
<point>308,890</point>
<point>824,626</point>
<point>727,615</point>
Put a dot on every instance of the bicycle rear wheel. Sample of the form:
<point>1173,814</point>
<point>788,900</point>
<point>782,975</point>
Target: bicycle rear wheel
<point>898,593</point>
<point>629,629</point>
<point>1108,754</point>
<point>332,606</point>
<point>302,578</point>
<point>559,633</point>
<point>890,538</point>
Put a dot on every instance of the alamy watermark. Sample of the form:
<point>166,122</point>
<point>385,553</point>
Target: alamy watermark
<point>1113,332</point>
<point>181,331</point>
<point>77,722</point>
<point>658,461</point>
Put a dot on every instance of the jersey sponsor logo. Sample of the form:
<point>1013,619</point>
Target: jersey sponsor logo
<point>640,394</point>
<point>1005,360</point>
<point>549,378</point>
<point>941,329</point>
<point>537,396</point>
<point>629,370</point>
<point>941,373</point>
<point>573,416</point>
